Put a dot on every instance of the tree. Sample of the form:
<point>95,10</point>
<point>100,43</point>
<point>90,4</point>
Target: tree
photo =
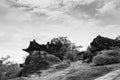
<point>62,47</point>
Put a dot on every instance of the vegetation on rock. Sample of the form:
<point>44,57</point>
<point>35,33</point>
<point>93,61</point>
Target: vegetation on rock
<point>42,56</point>
<point>99,44</point>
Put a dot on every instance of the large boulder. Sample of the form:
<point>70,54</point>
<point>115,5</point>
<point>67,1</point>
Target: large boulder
<point>51,58</point>
<point>38,60</point>
<point>107,57</point>
<point>33,68</point>
<point>57,46</point>
<point>46,56</point>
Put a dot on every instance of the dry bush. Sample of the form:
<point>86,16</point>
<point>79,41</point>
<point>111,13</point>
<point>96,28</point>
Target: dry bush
<point>8,69</point>
<point>61,47</point>
<point>72,56</point>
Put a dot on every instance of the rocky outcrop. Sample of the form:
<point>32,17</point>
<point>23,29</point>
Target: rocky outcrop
<point>101,43</point>
<point>98,44</point>
<point>57,50</point>
<point>38,60</point>
<point>33,46</point>
<point>59,47</point>
<point>33,68</point>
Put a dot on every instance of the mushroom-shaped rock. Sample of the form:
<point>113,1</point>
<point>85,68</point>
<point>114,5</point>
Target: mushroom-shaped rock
<point>34,46</point>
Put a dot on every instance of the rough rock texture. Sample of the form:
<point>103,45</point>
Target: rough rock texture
<point>107,58</point>
<point>59,47</point>
<point>30,69</point>
<point>38,60</point>
<point>98,44</point>
<point>115,75</point>
<point>101,43</point>
<point>76,71</point>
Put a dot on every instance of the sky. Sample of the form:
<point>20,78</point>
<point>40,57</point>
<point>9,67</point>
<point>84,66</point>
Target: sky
<point>80,20</point>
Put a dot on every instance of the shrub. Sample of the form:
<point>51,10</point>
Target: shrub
<point>8,69</point>
<point>107,57</point>
<point>71,56</point>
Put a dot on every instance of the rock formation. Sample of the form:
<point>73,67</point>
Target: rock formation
<point>38,60</point>
<point>35,46</point>
<point>98,44</point>
<point>41,56</point>
<point>101,43</point>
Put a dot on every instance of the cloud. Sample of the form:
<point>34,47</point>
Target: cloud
<point>60,11</point>
<point>55,11</point>
<point>8,12</point>
<point>81,8</point>
<point>41,3</point>
<point>109,13</point>
<point>18,16</point>
<point>4,8</point>
<point>51,3</point>
<point>108,7</point>
<point>66,13</point>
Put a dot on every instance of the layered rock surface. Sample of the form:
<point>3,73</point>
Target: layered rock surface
<point>99,44</point>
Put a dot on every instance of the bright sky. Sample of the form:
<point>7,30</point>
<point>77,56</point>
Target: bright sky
<point>79,20</point>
